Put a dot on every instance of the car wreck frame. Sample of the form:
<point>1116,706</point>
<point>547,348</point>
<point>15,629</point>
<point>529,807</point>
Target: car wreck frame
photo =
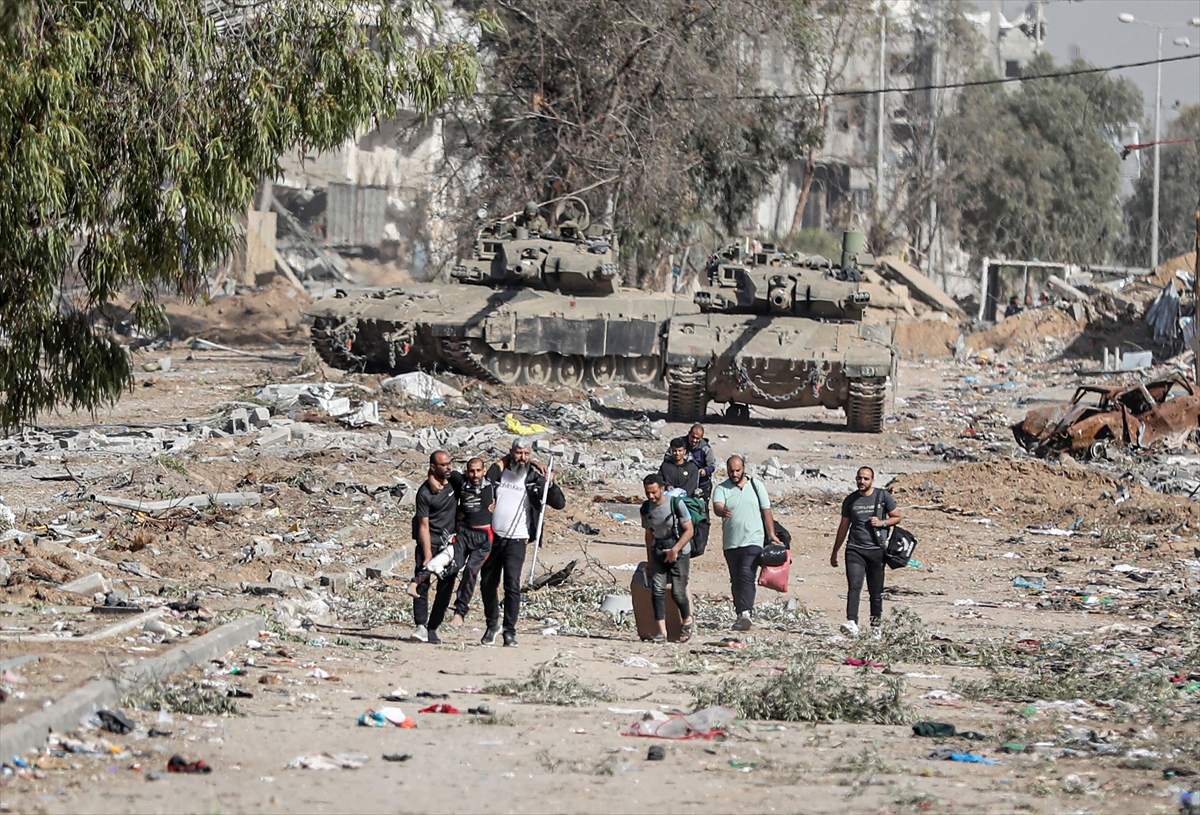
<point>1160,411</point>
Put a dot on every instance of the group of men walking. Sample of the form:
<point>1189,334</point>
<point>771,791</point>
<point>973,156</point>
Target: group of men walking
<point>475,526</point>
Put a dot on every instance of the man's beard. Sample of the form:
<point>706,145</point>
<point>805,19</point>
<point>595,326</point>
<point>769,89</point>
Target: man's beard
<point>518,469</point>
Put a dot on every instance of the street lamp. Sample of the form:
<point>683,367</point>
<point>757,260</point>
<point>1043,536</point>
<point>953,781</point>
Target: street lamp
<point>1126,17</point>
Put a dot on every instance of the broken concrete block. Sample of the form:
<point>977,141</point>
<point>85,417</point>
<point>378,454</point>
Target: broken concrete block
<point>262,547</point>
<point>558,449</point>
<point>274,435</point>
<point>336,583</point>
<point>335,406</point>
<point>5,572</point>
<point>541,445</point>
<point>260,416</point>
<point>397,439</point>
<point>286,580</point>
<point>87,585</point>
<point>583,459</point>
<point>239,421</point>
<point>634,454</point>
<point>164,364</point>
<point>300,430</point>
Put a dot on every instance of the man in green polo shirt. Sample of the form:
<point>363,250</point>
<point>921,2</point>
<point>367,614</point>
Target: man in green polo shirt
<point>742,504</point>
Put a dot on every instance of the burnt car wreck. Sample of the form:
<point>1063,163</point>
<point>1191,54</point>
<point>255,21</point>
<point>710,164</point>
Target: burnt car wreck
<point>1163,411</point>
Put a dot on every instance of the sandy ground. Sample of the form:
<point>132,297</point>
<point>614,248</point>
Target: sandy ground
<point>967,492</point>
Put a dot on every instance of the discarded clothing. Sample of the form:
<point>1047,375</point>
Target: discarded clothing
<point>179,764</point>
<point>933,729</point>
<point>442,708</point>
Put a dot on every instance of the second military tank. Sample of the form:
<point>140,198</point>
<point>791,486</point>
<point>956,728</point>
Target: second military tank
<point>778,331</point>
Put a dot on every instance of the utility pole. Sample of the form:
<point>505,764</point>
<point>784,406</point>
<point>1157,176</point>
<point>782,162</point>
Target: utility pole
<point>933,152</point>
<point>1154,195</point>
<point>880,113</point>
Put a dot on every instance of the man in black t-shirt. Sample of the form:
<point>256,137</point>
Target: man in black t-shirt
<point>433,530</point>
<point>476,500</point>
<point>866,515</point>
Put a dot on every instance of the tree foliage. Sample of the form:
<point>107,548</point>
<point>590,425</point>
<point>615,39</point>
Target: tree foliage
<point>647,104</point>
<point>134,132</point>
<point>1033,171</point>
<point>1179,191</point>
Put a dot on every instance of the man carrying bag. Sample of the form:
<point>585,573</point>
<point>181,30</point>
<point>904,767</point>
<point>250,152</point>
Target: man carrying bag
<point>866,515</point>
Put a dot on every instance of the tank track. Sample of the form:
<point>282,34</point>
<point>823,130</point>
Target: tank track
<point>687,396</point>
<point>864,410</point>
<point>331,339</point>
<point>457,351</point>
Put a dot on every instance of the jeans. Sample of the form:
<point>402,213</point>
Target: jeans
<point>506,561</point>
<point>422,615</point>
<point>660,570</point>
<point>477,545</point>
<point>743,576</point>
<point>864,563</point>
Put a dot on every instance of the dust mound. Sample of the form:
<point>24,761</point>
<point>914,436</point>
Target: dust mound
<point>1026,331</point>
<point>1030,491</point>
<point>264,316</point>
<point>926,338</point>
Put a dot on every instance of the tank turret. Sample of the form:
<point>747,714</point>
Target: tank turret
<point>769,282</point>
<point>572,260</point>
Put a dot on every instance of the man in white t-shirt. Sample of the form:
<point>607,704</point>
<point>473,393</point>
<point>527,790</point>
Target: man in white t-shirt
<point>519,485</point>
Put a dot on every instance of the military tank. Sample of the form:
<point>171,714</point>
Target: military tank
<point>522,309</point>
<point>778,331</point>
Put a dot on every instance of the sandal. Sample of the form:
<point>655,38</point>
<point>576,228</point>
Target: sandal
<point>660,639</point>
<point>685,633</point>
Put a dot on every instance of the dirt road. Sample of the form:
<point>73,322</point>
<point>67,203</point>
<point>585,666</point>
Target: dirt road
<point>1069,684</point>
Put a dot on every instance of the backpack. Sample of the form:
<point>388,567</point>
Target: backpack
<point>696,511</point>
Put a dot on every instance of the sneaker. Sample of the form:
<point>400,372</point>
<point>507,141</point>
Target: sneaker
<point>433,639</point>
<point>510,640</point>
<point>850,628</point>
<point>743,622</point>
<point>489,636</point>
<point>419,634</point>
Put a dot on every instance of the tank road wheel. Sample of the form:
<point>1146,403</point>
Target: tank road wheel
<point>602,371</point>
<point>537,368</point>
<point>568,371</point>
<point>687,394</point>
<point>864,410</point>
<point>505,366</point>
<point>641,370</point>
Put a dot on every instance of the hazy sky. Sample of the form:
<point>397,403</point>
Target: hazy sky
<point>1091,26</point>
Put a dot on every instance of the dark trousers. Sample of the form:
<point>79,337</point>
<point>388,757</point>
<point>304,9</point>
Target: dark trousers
<point>743,576</point>
<point>506,561</point>
<point>868,564</point>
<point>678,571</point>
<point>477,545</point>
<point>422,615</point>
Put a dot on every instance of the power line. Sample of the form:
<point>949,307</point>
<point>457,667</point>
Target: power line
<point>947,85</point>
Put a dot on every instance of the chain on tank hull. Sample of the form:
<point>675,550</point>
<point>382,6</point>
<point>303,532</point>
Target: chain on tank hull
<point>778,363</point>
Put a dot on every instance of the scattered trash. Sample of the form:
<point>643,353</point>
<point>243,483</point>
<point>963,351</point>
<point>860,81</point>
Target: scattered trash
<point>933,729</point>
<point>585,528</point>
<point>617,516</point>
<point>703,724</point>
<point>638,662</point>
<point>395,695</point>
<point>114,721</point>
<point>482,710</point>
<point>946,754</point>
<point>858,663</point>
<point>397,756</point>
<point>776,446</point>
<point>656,753</point>
<point>327,761</point>
<point>440,708</point>
<point>523,429</point>
<point>1035,582</point>
<point>179,764</point>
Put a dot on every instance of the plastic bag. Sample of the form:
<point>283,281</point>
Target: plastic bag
<point>703,724</point>
<point>776,577</point>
